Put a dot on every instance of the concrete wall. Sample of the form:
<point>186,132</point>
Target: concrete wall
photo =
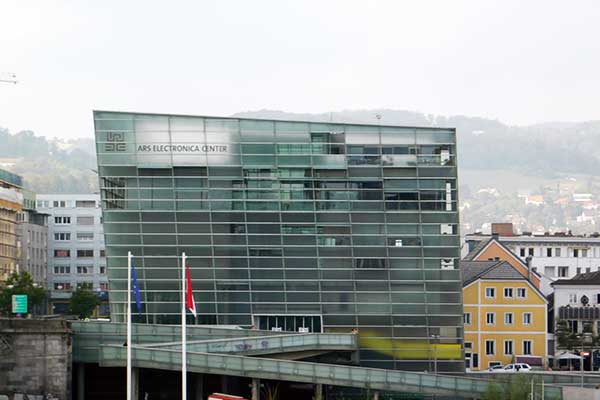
<point>578,393</point>
<point>35,358</point>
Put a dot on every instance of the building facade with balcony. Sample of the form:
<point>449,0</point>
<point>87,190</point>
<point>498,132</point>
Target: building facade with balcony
<point>11,204</point>
<point>289,225</point>
<point>75,248</point>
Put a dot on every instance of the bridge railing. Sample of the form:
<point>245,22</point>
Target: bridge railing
<point>297,371</point>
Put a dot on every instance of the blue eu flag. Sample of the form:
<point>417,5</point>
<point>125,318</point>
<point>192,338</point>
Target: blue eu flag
<point>136,289</point>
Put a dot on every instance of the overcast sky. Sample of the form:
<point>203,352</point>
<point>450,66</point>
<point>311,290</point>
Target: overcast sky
<point>519,61</point>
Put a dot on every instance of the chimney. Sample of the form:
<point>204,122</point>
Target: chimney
<point>528,261</point>
<point>503,229</point>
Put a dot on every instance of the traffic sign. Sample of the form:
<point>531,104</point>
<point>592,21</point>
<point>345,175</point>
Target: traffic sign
<point>19,303</point>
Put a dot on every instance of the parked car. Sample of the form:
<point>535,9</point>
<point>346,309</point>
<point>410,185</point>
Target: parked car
<point>496,368</point>
<point>514,368</point>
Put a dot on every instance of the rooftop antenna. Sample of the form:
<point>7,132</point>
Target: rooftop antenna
<point>8,77</point>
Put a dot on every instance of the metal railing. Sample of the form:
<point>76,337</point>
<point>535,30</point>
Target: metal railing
<point>297,371</point>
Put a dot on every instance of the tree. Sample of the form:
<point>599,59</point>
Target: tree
<point>493,391</point>
<point>565,338</point>
<point>83,302</point>
<point>20,283</point>
<point>519,388</point>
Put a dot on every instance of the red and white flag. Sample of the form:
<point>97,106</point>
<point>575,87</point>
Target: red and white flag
<point>190,304</point>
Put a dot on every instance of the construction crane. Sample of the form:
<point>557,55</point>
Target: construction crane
<point>8,77</point>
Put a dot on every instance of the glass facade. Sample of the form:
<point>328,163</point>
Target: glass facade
<point>289,226</point>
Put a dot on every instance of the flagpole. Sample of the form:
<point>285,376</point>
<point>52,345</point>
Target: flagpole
<point>129,256</point>
<point>183,331</point>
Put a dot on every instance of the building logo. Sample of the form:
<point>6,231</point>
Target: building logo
<point>115,142</point>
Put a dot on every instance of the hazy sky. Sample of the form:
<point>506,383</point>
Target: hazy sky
<point>519,61</point>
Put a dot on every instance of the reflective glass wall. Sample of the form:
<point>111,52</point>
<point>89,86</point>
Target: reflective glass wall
<point>289,226</point>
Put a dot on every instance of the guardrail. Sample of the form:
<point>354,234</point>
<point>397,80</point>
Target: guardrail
<point>298,371</point>
<point>269,344</point>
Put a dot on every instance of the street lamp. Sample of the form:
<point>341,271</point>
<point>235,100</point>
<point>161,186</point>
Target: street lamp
<point>585,337</point>
<point>435,337</point>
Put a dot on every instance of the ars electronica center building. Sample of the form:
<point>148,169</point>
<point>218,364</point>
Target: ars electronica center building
<point>291,226</point>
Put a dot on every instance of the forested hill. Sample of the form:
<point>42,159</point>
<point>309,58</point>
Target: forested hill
<point>50,165</point>
<point>545,150</point>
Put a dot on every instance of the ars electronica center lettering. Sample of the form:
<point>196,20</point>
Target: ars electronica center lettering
<point>182,148</point>
<point>115,142</point>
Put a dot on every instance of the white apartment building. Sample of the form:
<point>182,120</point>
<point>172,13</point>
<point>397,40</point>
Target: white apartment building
<point>552,256</point>
<point>577,301</point>
<point>75,247</point>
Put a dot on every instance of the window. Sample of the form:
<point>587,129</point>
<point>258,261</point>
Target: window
<point>521,293</point>
<point>85,203</point>
<point>62,253</point>
<point>104,286</point>
<point>85,220</point>
<point>359,262</point>
<point>468,345</point>
<point>578,270</point>
<point>490,318</point>
<point>527,347</point>
<point>549,252</point>
<point>60,270</point>
<point>85,253</point>
<point>467,318</point>
<point>59,204</point>
<point>522,253</point>
<point>572,297</point>
<point>508,347</point>
<point>102,253</point>
<point>549,271</point>
<point>508,318</point>
<point>557,252</point>
<point>85,269</point>
<point>576,253</point>
<point>526,318</point>
<point>508,292</point>
<point>531,251</point>
<point>490,292</point>
<point>62,220</point>
<point>62,236</point>
<point>588,270</point>
<point>563,272</point>
<point>62,286</point>
<point>490,347</point>
<point>102,269</point>
<point>584,253</point>
<point>85,236</point>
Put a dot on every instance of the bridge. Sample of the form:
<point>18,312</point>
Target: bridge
<point>270,355</point>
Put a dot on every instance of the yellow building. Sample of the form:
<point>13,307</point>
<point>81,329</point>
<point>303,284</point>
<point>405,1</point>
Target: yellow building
<point>11,201</point>
<point>504,316</point>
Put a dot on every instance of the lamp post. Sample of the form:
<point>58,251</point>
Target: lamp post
<point>585,337</point>
<point>435,337</point>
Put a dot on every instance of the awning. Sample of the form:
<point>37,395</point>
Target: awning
<point>565,355</point>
